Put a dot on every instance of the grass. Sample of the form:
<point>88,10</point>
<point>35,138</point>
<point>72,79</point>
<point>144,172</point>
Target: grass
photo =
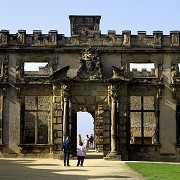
<point>151,171</point>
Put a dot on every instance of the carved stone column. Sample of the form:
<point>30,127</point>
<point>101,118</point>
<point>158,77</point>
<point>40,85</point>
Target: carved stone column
<point>66,113</point>
<point>114,99</point>
<point>113,154</point>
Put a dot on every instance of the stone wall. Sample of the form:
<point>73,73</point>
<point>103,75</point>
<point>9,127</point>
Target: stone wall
<point>111,55</point>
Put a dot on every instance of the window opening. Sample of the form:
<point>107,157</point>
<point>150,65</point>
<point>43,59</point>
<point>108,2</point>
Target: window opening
<point>142,120</point>
<point>142,69</point>
<point>36,68</point>
<point>36,119</point>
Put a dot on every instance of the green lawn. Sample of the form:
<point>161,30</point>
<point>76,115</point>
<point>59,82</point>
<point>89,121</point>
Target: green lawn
<point>156,170</point>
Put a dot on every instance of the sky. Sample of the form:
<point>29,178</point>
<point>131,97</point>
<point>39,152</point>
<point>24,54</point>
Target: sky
<point>118,15</point>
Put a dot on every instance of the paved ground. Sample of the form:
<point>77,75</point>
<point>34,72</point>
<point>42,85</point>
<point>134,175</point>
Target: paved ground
<point>52,169</point>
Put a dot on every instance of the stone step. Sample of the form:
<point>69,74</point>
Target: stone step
<point>94,155</point>
<point>91,154</point>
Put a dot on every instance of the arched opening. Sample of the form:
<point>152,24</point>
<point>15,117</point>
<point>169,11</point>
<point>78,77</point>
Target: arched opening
<point>85,125</point>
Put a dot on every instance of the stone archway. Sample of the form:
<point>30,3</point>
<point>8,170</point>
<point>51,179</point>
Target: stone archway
<point>88,90</point>
<point>98,113</point>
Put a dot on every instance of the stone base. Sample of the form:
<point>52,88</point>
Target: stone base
<point>113,156</point>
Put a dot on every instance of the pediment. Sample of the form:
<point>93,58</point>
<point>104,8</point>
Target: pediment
<point>60,74</point>
<point>120,74</point>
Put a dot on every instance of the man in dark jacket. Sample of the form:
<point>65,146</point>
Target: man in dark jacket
<point>66,149</point>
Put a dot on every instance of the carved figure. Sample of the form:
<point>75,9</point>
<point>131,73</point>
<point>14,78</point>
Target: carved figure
<point>173,74</point>
<point>90,65</point>
<point>157,39</point>
<point>36,37</point>
<point>20,38</point>
<point>126,39</point>
<point>2,38</point>
<point>18,72</point>
<point>175,39</point>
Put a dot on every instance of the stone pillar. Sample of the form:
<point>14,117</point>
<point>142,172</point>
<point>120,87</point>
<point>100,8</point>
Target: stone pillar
<point>114,98</point>
<point>57,117</point>
<point>66,114</point>
<point>113,154</point>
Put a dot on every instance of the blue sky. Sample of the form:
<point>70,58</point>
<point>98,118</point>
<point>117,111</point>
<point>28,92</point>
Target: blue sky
<point>135,15</point>
<point>119,15</point>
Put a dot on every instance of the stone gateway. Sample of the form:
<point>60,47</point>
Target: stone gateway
<point>136,112</point>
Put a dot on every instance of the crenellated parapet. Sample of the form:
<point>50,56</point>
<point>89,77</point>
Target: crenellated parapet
<point>143,73</point>
<point>91,37</point>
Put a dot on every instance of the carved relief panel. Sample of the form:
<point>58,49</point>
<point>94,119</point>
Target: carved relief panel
<point>90,65</point>
<point>21,36</point>
<point>174,38</point>
<point>53,37</point>
<point>157,35</point>
<point>4,37</point>
<point>4,69</point>
<point>37,37</point>
<point>126,39</point>
<point>86,23</point>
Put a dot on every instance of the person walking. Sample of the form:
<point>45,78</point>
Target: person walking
<point>81,153</point>
<point>86,142</point>
<point>67,150</point>
<point>91,140</point>
<point>79,138</point>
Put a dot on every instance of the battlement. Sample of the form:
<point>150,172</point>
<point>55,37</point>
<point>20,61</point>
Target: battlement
<point>85,31</point>
<point>143,73</point>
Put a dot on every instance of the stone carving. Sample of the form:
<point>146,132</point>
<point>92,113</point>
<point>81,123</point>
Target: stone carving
<point>53,37</point>
<point>160,70</point>
<point>59,74</point>
<point>90,65</point>
<point>3,37</point>
<point>157,39</point>
<point>21,36</point>
<point>0,37</point>
<point>6,61</point>
<point>174,38</point>
<point>173,73</point>
<point>18,73</point>
<point>127,39</point>
<point>88,23</point>
<point>114,96</point>
<point>120,74</point>
<point>37,37</point>
<point>75,40</point>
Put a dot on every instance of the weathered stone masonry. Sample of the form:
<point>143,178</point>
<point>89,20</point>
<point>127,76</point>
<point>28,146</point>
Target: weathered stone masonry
<point>136,113</point>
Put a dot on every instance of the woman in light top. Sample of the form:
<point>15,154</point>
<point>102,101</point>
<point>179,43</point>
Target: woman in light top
<point>81,153</point>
